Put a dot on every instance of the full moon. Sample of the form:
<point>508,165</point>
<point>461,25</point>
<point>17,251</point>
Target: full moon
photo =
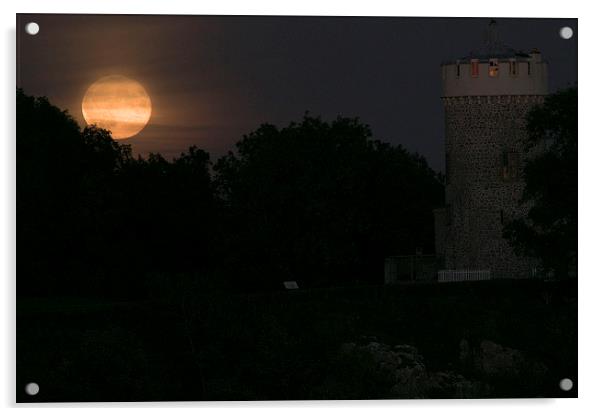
<point>118,104</point>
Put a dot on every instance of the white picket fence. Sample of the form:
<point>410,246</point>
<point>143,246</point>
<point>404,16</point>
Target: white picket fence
<point>463,275</point>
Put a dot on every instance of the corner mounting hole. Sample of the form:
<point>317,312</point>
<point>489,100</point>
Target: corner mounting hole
<point>566,32</point>
<point>32,28</point>
<point>566,384</point>
<point>32,389</point>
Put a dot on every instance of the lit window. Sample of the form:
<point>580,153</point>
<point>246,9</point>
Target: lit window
<point>513,65</point>
<point>474,67</point>
<point>493,68</point>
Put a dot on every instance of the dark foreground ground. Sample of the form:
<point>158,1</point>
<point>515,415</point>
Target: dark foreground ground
<point>455,340</point>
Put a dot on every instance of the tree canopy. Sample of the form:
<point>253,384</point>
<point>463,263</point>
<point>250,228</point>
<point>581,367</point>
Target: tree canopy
<point>93,219</point>
<point>549,231</point>
<point>324,203</point>
<point>318,202</point>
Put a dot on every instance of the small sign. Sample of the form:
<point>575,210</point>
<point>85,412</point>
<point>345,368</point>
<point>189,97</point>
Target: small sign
<point>291,284</point>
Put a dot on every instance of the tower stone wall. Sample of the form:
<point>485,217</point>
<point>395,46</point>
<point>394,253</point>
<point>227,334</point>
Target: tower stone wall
<point>486,98</point>
<point>485,157</point>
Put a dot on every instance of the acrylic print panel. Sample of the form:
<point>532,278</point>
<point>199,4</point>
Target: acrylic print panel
<point>275,208</point>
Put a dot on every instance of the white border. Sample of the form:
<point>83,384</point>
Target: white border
<point>589,197</point>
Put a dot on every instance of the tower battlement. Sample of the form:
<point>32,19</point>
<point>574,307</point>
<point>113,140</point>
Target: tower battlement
<point>495,69</point>
<point>518,75</point>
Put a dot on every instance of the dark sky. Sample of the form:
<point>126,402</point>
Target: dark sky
<point>212,79</point>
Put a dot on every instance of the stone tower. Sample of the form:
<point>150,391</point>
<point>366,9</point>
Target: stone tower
<point>486,96</point>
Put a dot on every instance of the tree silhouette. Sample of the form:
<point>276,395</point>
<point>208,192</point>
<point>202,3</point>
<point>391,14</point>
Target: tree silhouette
<point>323,203</point>
<point>549,232</point>
<point>95,220</point>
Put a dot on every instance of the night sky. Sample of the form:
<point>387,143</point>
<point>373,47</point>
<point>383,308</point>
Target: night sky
<point>212,79</point>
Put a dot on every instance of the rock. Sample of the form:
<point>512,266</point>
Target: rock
<point>400,371</point>
<point>403,369</point>
<point>453,385</point>
<point>496,363</point>
<point>494,360</point>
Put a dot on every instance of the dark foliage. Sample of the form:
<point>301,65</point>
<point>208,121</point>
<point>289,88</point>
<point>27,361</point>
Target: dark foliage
<point>92,220</point>
<point>322,203</point>
<point>278,346</point>
<point>317,202</point>
<point>549,232</point>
